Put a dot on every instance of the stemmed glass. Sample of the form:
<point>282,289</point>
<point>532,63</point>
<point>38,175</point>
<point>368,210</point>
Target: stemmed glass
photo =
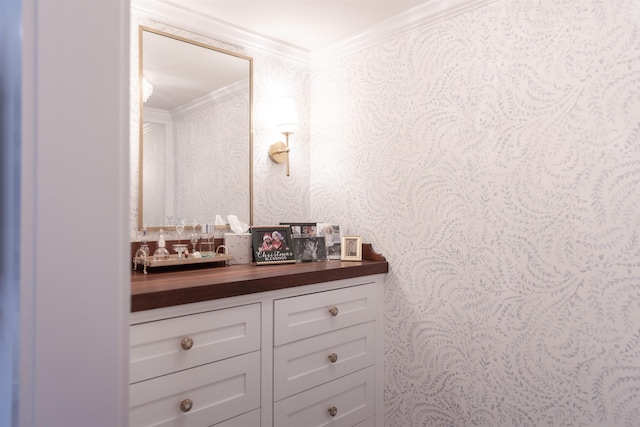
<point>180,228</point>
<point>180,248</point>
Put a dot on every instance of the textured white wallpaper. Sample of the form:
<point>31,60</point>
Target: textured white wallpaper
<point>494,159</point>
<point>278,197</point>
<point>154,183</point>
<point>211,145</point>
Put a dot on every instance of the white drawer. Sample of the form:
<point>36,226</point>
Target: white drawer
<point>219,391</point>
<point>306,363</point>
<point>250,419</point>
<point>155,347</point>
<point>307,315</point>
<point>371,422</point>
<point>352,396</point>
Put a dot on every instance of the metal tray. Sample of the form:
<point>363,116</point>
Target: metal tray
<point>207,257</point>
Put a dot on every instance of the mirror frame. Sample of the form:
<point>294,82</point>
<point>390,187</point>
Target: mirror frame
<point>141,30</point>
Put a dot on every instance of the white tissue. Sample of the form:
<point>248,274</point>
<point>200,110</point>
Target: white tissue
<point>236,225</point>
<point>219,220</point>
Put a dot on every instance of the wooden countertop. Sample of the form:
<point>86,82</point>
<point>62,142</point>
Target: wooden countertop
<point>169,288</point>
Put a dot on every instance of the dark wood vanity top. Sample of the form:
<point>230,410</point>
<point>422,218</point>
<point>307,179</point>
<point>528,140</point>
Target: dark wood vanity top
<point>170,288</point>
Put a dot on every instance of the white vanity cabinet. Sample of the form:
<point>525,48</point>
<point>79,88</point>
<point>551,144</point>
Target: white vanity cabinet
<point>196,370</point>
<point>287,353</point>
<point>325,356</point>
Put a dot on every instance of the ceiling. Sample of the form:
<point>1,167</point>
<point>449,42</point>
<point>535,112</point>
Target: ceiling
<point>307,24</point>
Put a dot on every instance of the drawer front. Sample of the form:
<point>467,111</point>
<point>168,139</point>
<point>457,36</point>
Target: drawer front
<point>218,391</point>
<point>306,363</point>
<point>250,419</point>
<point>352,397</point>
<point>307,315</point>
<point>156,347</point>
<point>371,422</point>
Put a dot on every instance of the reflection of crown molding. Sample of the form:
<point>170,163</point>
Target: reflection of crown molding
<point>173,13</point>
<point>428,13</point>
<point>155,115</point>
<point>148,127</point>
<point>219,95</point>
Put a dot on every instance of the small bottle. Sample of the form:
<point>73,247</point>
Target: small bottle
<point>144,247</point>
<point>161,253</point>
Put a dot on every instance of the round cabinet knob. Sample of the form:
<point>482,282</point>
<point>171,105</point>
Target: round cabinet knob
<point>333,358</point>
<point>186,343</point>
<point>333,311</point>
<point>333,411</point>
<point>186,405</point>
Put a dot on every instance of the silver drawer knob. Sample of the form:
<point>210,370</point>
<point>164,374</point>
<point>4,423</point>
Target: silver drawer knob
<point>186,343</point>
<point>333,358</point>
<point>186,405</point>
<point>333,411</point>
<point>333,311</point>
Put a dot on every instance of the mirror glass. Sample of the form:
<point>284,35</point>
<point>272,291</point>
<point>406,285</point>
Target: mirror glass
<point>195,132</point>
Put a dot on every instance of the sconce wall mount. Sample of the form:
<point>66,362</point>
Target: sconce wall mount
<point>279,152</point>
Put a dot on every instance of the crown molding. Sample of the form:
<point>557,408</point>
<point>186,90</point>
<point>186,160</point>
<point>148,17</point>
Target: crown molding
<point>428,13</point>
<point>173,13</point>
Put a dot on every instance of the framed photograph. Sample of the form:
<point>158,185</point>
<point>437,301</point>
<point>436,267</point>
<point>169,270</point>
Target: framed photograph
<point>351,248</point>
<point>331,235</point>
<point>302,229</point>
<point>307,246</point>
<point>272,245</point>
<point>308,249</point>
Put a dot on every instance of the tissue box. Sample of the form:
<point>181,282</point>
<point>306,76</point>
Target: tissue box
<point>238,246</point>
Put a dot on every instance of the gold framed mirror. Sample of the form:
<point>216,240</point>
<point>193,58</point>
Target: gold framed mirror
<point>195,142</point>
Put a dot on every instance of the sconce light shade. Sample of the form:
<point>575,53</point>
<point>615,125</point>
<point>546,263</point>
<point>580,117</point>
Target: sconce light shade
<point>287,118</point>
<point>287,123</point>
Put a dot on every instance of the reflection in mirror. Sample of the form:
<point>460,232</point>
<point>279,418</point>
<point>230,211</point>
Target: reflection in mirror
<point>195,132</point>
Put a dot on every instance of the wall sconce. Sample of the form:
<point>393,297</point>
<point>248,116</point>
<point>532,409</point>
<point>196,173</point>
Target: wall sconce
<point>287,123</point>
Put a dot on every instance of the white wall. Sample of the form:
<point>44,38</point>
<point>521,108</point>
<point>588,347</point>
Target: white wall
<point>494,159</point>
<point>74,214</point>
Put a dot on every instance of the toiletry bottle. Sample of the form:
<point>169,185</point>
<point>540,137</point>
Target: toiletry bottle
<point>161,253</point>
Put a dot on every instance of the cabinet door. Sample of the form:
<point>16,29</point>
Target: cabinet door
<point>306,363</point>
<point>157,348</point>
<point>313,314</point>
<point>212,393</point>
<point>344,402</point>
